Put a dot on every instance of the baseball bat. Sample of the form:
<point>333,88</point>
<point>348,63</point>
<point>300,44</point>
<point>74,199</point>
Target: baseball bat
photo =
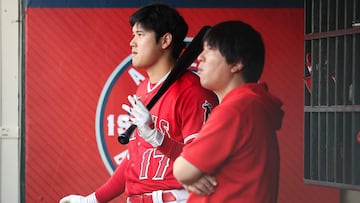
<point>186,59</point>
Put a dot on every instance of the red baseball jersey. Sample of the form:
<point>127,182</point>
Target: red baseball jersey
<point>238,145</point>
<point>179,115</point>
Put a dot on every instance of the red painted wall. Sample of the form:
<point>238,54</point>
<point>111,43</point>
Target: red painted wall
<point>71,55</point>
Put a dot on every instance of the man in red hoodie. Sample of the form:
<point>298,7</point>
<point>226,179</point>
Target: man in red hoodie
<point>238,144</point>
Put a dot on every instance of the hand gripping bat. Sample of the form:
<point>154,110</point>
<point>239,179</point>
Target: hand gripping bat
<point>186,59</point>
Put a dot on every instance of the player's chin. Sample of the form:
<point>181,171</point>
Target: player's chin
<point>136,63</point>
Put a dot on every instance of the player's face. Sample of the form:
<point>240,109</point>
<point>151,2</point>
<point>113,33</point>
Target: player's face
<point>145,52</point>
<point>214,71</point>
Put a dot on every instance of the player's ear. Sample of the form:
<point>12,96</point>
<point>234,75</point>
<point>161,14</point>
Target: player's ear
<point>166,40</point>
<point>237,67</point>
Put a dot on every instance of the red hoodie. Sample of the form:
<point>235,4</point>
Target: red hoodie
<point>238,145</point>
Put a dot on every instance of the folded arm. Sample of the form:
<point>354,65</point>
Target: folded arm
<point>193,178</point>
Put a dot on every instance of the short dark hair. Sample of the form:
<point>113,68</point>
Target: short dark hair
<point>162,19</point>
<point>239,42</point>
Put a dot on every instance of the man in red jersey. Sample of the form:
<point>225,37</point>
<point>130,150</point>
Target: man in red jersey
<point>238,144</point>
<point>146,175</point>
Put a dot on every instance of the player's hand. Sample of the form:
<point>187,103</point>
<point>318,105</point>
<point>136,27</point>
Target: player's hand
<point>205,185</point>
<point>140,116</point>
<point>79,199</point>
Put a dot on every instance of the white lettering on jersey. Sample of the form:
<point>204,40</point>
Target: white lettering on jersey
<point>162,125</point>
<point>158,160</point>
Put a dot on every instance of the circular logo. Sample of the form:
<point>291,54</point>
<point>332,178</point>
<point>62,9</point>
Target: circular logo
<point>122,82</point>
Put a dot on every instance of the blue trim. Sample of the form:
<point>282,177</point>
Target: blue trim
<point>100,113</point>
<point>174,3</point>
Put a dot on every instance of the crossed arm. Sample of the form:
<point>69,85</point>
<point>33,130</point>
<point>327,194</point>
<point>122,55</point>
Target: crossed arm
<point>193,178</point>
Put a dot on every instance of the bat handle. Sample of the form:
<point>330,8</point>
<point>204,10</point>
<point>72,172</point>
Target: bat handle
<point>124,137</point>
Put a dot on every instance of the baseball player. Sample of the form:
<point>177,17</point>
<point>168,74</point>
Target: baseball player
<point>244,124</point>
<point>174,121</point>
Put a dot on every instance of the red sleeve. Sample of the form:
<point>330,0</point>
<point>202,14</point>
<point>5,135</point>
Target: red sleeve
<point>171,148</point>
<point>115,185</point>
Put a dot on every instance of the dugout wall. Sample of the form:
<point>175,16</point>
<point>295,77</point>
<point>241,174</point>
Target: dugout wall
<point>78,73</point>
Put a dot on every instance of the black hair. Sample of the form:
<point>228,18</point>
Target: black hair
<point>162,19</point>
<point>239,42</point>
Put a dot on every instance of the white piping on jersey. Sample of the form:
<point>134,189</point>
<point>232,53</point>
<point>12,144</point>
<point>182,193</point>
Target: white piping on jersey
<point>149,89</point>
<point>190,137</point>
